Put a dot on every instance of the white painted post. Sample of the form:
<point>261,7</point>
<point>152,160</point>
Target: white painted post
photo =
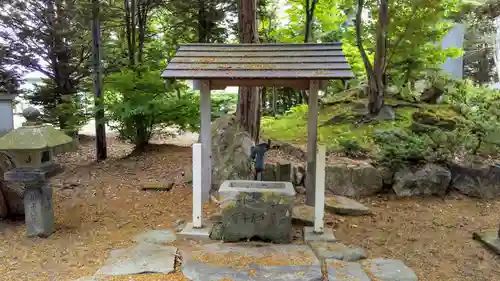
<point>197,192</point>
<point>206,138</point>
<point>319,207</point>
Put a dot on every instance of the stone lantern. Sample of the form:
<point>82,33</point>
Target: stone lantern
<point>33,147</point>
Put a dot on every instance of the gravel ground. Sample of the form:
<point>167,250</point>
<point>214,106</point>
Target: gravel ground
<point>99,207</point>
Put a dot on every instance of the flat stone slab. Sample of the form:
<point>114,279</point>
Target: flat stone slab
<point>157,186</point>
<point>160,236</point>
<point>326,236</point>
<point>260,262</point>
<point>142,258</point>
<point>345,271</point>
<point>388,270</point>
<point>88,278</point>
<point>339,251</point>
<point>303,214</point>
<point>489,239</point>
<point>191,233</point>
<point>345,206</point>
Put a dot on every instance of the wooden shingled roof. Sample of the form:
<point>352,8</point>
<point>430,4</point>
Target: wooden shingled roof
<point>324,61</point>
<point>231,64</point>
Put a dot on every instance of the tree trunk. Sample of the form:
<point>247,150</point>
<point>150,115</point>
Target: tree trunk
<point>310,7</point>
<point>274,101</point>
<point>375,74</point>
<point>101,150</point>
<point>249,105</point>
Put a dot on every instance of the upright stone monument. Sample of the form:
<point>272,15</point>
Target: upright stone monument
<point>33,146</point>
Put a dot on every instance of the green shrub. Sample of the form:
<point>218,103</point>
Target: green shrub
<point>139,104</point>
<point>351,148</point>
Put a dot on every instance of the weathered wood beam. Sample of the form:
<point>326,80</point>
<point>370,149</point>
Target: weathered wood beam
<point>312,139</point>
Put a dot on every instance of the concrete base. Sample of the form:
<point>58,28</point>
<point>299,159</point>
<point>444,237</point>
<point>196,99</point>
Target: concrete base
<point>311,236</point>
<point>490,240</point>
<point>191,233</point>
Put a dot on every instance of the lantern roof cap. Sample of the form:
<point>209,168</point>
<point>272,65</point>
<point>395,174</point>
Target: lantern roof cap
<point>34,135</point>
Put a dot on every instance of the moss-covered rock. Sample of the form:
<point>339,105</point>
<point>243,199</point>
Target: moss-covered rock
<point>348,177</point>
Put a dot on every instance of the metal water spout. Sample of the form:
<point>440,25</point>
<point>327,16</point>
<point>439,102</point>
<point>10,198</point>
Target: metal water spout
<point>257,155</point>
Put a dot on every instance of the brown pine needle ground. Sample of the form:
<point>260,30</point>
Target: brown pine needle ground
<point>100,207</point>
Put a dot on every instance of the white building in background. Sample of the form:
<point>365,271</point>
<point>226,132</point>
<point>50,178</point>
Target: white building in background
<point>454,39</point>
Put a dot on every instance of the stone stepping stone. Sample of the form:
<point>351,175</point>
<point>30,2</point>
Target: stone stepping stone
<point>345,271</point>
<point>339,251</point>
<point>258,262</point>
<point>489,239</point>
<point>303,214</point>
<point>345,206</point>
<point>142,258</point>
<point>160,236</point>
<point>388,270</point>
<point>88,278</point>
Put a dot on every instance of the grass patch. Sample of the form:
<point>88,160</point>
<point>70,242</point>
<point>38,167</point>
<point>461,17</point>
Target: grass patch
<point>292,126</point>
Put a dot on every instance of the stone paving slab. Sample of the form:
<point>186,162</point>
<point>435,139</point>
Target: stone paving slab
<point>258,262</point>
<point>341,205</point>
<point>303,214</point>
<point>345,271</point>
<point>489,239</point>
<point>339,251</point>
<point>88,278</point>
<point>388,270</point>
<point>142,258</point>
<point>160,236</point>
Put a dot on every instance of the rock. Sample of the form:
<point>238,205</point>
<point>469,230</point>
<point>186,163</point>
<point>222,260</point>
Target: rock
<point>303,214</point>
<point>231,151</point>
<point>157,186</point>
<point>143,258</point>
<point>344,206</point>
<point>88,278</point>
<point>386,113</point>
<point>269,172</point>
<point>179,222</point>
<point>431,95</point>
<point>286,262</point>
<point>388,270</point>
<point>429,179</point>
<point>300,190</point>
<point>299,176</point>
<point>355,254</point>
<point>12,191</point>
<point>476,180</point>
<point>345,271</point>
<point>348,177</point>
<point>339,251</point>
<point>431,119</point>
<point>188,176</point>
<point>284,172</point>
<point>290,149</point>
<point>156,237</point>
<point>216,217</point>
<point>387,175</point>
<point>216,232</point>
<point>489,239</point>
<point>4,209</point>
<point>256,209</point>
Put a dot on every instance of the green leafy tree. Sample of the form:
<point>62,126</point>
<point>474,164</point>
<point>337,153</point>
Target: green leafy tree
<point>140,105</point>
